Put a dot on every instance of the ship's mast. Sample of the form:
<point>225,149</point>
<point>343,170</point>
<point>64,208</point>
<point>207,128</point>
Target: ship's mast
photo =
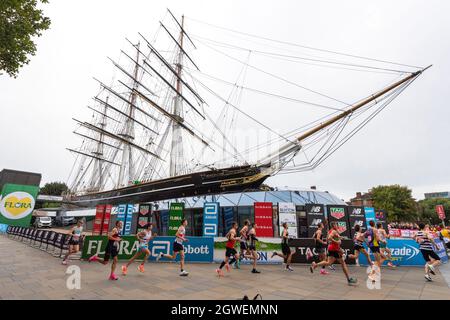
<point>95,183</point>
<point>176,152</point>
<point>126,172</point>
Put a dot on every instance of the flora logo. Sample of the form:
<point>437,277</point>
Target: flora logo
<point>17,205</point>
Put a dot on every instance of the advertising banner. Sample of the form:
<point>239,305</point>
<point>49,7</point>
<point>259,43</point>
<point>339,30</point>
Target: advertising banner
<point>396,233</point>
<point>440,211</point>
<point>17,204</point>
<point>338,214</point>
<point>441,251</point>
<point>3,228</point>
<point>98,220</point>
<point>175,217</point>
<point>370,215</point>
<point>210,219</point>
<point>405,252</point>
<point>287,213</point>
<point>407,233</point>
<point>121,215</point>
<point>264,250</point>
<point>380,216</point>
<point>315,214</point>
<point>356,216</point>
<point>228,217</point>
<point>264,219</point>
<point>106,219</point>
<point>198,249</point>
<point>306,246</point>
<point>128,219</point>
<point>144,217</point>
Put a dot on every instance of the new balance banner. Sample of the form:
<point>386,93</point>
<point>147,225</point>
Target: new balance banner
<point>304,247</point>
<point>210,219</point>
<point>338,214</point>
<point>197,249</point>
<point>264,219</point>
<point>370,215</point>
<point>287,213</point>
<point>98,220</point>
<point>144,217</point>
<point>315,214</point>
<point>175,217</point>
<point>356,216</point>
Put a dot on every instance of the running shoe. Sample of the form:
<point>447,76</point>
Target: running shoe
<point>311,267</point>
<point>273,254</point>
<point>93,258</point>
<point>227,266</point>
<point>288,268</point>
<point>332,267</point>
<point>323,271</point>
<point>390,264</point>
<point>255,271</point>
<point>113,277</point>
<point>124,270</point>
<point>219,272</point>
<point>351,281</point>
<point>432,270</point>
<point>427,276</point>
<point>141,268</point>
<point>64,262</point>
<point>159,256</point>
<point>184,273</point>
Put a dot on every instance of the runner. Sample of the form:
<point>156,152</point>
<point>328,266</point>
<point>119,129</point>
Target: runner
<point>358,246</point>
<point>144,238</point>
<point>334,253</point>
<point>178,247</point>
<point>286,253</point>
<point>112,250</point>
<point>426,246</point>
<point>372,238</point>
<point>320,246</point>
<point>74,242</point>
<point>383,244</point>
<point>230,250</point>
<point>252,247</point>
<point>243,243</point>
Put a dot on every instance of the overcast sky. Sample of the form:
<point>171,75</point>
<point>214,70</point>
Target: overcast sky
<point>408,143</point>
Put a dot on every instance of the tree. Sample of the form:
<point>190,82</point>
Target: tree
<point>54,189</point>
<point>397,201</point>
<point>427,209</point>
<point>20,21</point>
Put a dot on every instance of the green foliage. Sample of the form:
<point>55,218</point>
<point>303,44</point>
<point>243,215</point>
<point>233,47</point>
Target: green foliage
<point>397,201</point>
<point>20,21</point>
<point>427,209</point>
<point>54,189</point>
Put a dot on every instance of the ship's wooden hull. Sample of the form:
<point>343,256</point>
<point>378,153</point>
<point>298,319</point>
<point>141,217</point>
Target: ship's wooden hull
<point>233,179</point>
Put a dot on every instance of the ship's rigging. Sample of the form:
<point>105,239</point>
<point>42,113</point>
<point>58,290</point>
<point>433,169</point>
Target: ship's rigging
<point>160,118</point>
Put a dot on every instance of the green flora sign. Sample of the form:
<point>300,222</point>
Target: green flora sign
<point>97,245</point>
<point>17,204</point>
<point>175,217</point>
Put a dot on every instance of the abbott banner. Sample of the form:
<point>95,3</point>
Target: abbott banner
<point>210,219</point>
<point>315,214</point>
<point>263,219</point>
<point>197,249</point>
<point>17,204</point>
<point>287,213</point>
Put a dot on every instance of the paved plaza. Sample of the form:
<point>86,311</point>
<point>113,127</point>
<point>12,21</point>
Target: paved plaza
<point>29,273</point>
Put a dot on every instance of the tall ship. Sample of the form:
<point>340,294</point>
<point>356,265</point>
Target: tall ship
<point>159,130</point>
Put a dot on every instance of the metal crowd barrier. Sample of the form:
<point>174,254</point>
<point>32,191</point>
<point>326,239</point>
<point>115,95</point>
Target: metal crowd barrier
<point>52,242</point>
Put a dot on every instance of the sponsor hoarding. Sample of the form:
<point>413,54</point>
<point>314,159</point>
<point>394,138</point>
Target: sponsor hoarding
<point>125,214</point>
<point>356,216</point>
<point>306,246</point>
<point>228,215</point>
<point>210,219</point>
<point>175,217</point>
<point>441,250</point>
<point>315,214</point>
<point>440,211</point>
<point>264,219</point>
<point>98,220</point>
<point>144,217</point>
<point>338,214</point>
<point>17,204</point>
<point>287,213</point>
<point>197,249</point>
<point>380,216</point>
<point>370,215</point>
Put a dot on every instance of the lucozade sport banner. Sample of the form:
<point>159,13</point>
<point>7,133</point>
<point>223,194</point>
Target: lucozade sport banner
<point>17,204</point>
<point>264,219</point>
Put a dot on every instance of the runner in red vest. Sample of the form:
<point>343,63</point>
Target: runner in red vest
<point>230,250</point>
